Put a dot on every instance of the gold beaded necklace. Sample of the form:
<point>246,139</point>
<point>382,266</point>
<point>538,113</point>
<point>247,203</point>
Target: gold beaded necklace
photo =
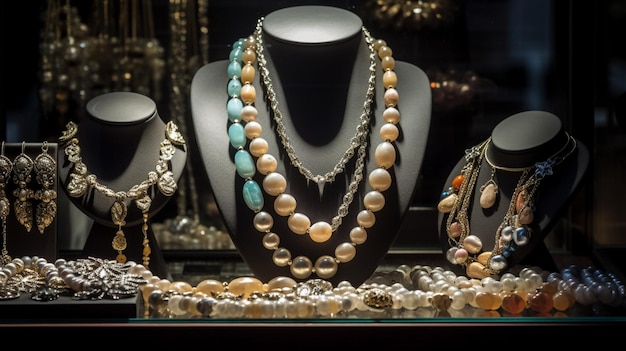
<point>513,231</point>
<point>241,110</point>
<point>162,176</point>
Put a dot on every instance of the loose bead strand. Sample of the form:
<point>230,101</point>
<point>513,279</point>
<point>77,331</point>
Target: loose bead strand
<point>407,292</point>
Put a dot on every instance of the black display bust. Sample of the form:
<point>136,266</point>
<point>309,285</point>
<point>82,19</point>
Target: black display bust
<point>119,140</point>
<point>318,61</point>
<point>517,142</point>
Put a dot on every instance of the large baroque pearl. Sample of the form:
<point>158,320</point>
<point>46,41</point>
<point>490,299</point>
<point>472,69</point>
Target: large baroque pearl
<point>488,196</point>
<point>472,244</point>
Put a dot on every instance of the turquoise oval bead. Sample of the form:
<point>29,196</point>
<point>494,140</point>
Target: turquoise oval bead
<point>234,69</point>
<point>239,43</point>
<point>236,54</point>
<point>253,196</point>
<point>234,87</point>
<point>237,135</point>
<point>233,108</point>
<point>244,164</point>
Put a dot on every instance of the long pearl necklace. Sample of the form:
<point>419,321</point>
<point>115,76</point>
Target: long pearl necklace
<point>466,249</point>
<point>240,108</point>
<point>162,176</point>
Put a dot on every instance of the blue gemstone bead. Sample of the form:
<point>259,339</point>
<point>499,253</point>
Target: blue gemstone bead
<point>521,236</point>
<point>253,196</point>
<point>234,87</point>
<point>233,108</point>
<point>244,164</point>
<point>234,69</point>
<point>239,43</point>
<point>237,135</point>
<point>236,54</point>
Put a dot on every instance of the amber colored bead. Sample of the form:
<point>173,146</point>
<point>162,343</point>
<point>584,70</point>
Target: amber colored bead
<point>378,43</point>
<point>390,79</point>
<point>456,182</point>
<point>388,63</point>
<point>550,288</point>
<point>513,303</point>
<point>384,51</point>
<point>488,301</point>
<point>247,74</point>
<point>540,302</point>
<point>563,300</point>
<point>249,56</point>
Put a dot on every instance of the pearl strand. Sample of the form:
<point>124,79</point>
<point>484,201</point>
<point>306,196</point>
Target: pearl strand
<point>407,292</point>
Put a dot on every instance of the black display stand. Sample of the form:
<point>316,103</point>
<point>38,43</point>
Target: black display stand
<point>520,141</point>
<point>120,139</point>
<point>318,61</point>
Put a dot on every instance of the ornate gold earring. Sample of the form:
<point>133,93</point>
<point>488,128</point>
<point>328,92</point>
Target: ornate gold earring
<point>5,207</point>
<point>22,169</point>
<point>46,172</point>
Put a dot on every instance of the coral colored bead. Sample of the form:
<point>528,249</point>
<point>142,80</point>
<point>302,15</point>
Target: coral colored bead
<point>513,303</point>
<point>540,302</point>
<point>456,182</point>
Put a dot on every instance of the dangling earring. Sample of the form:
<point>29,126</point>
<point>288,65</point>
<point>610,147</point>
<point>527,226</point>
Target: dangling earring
<point>46,172</point>
<point>22,168</point>
<point>5,207</point>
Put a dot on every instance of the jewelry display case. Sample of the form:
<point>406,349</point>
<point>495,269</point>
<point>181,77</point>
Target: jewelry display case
<point>469,67</point>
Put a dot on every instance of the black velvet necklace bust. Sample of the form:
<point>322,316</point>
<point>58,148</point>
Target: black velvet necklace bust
<point>319,65</point>
<point>517,143</point>
<point>119,140</point>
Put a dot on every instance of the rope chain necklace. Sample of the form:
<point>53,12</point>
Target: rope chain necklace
<point>357,141</point>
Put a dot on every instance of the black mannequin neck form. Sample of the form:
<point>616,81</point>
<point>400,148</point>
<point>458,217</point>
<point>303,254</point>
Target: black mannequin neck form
<point>515,145</point>
<point>312,75</point>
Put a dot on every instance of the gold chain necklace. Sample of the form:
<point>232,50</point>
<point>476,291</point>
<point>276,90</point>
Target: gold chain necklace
<point>162,176</point>
<point>241,111</point>
<point>513,231</point>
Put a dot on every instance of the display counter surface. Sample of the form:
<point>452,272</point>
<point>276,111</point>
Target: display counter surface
<point>168,313</point>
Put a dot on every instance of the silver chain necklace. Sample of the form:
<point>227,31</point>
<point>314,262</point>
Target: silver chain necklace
<point>357,141</point>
